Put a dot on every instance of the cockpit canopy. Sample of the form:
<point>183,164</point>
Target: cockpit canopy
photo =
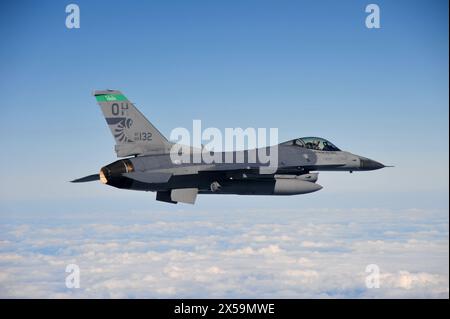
<point>315,143</point>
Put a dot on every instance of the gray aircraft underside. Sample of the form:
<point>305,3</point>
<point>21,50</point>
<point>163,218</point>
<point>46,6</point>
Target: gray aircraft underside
<point>148,165</point>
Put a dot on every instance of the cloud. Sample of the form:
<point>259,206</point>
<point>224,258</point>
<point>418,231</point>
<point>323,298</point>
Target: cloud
<point>253,254</point>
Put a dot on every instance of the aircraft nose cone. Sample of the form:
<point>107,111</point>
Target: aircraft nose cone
<point>370,165</point>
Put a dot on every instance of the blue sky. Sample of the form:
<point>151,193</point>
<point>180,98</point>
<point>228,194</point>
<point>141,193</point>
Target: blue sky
<point>309,68</point>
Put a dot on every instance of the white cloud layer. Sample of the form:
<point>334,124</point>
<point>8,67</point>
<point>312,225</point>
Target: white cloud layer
<point>316,253</point>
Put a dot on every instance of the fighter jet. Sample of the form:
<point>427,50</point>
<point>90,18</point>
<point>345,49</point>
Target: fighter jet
<point>147,164</point>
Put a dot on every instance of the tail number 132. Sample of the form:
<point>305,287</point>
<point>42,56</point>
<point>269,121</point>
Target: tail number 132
<point>142,136</point>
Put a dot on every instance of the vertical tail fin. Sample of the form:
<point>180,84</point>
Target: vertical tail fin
<point>133,133</point>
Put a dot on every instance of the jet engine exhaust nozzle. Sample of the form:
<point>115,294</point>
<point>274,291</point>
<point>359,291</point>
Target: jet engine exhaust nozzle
<point>112,173</point>
<point>102,175</point>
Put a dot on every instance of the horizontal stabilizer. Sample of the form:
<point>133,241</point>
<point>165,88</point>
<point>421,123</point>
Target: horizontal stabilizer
<point>90,178</point>
<point>153,178</point>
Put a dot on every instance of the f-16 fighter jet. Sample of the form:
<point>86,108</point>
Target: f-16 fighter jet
<point>151,163</point>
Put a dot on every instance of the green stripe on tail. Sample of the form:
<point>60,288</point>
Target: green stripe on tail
<point>110,97</point>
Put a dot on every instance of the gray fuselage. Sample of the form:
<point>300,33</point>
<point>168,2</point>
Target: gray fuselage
<point>244,175</point>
